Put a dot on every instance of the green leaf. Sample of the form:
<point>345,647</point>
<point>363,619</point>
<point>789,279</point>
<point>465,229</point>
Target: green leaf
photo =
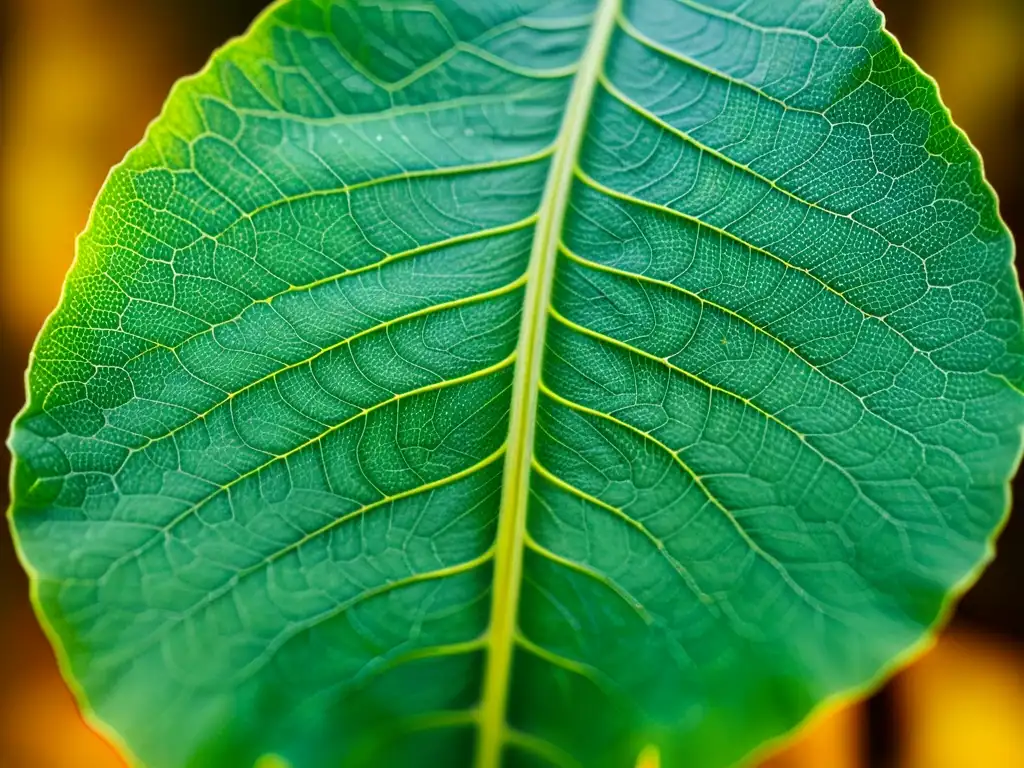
<point>535,382</point>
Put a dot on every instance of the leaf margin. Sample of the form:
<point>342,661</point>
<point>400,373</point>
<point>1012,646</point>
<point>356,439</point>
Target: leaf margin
<point>930,634</point>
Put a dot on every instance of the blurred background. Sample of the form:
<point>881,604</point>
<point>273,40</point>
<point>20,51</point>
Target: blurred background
<point>79,80</point>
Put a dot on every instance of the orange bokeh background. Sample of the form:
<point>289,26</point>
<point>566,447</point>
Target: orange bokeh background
<point>79,80</point>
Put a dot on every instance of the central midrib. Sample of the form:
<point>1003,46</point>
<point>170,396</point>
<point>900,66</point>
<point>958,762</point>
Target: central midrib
<point>508,561</point>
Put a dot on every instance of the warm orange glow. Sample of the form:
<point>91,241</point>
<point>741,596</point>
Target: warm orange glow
<point>973,86</point>
<point>833,741</point>
<point>962,706</point>
<point>82,79</point>
<point>40,726</point>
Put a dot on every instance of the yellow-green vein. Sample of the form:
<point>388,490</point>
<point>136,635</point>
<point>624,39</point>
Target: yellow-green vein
<point>511,536</point>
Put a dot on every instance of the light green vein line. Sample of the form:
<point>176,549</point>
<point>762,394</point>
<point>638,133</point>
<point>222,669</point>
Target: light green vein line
<point>432,309</point>
<point>614,193</point>
<point>381,665</point>
<point>440,651</point>
<point>755,548</point>
<point>522,422</point>
<point>333,37</point>
<point>599,267</point>
<point>666,363</point>
<point>426,173</point>
<point>253,665</point>
<point>384,501</point>
<point>535,23</point>
<point>761,330</point>
<point>587,263</point>
<point>533,545</point>
<point>541,748</point>
<point>633,105</point>
<point>391,586</point>
<point>413,252</point>
<point>555,73</point>
<point>654,119</point>
<point>375,667</point>
<point>1018,388</point>
<point>432,387</point>
<point>448,242</point>
<point>439,720</point>
<point>586,671</point>
<point>648,42</point>
<point>457,46</point>
<point>737,19</point>
<point>658,544</point>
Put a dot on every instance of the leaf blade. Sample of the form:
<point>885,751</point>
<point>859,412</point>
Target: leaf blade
<point>754,413</point>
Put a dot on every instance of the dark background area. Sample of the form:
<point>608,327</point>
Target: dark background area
<point>79,80</point>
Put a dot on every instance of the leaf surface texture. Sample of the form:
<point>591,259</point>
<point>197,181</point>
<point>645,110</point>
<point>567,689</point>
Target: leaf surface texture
<point>521,382</point>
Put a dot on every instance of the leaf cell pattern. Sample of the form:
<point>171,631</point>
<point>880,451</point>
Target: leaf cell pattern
<point>719,282</point>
